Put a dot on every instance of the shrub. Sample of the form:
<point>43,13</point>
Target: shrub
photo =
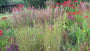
<point>60,1</point>
<point>3,2</point>
<point>35,3</point>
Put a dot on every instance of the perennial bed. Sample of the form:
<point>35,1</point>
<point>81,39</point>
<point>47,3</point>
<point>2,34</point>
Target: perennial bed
<point>61,27</point>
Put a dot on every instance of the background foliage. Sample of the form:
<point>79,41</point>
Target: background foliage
<point>3,2</point>
<point>35,3</point>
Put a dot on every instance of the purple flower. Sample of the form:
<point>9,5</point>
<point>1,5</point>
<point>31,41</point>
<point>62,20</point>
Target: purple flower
<point>8,49</point>
<point>0,49</point>
<point>70,17</point>
<point>13,47</point>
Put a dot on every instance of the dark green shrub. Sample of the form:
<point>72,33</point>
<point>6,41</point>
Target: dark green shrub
<point>3,2</point>
<point>59,1</point>
<point>35,3</point>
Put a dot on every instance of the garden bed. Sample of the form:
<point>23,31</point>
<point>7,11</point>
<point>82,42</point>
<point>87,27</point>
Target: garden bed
<point>59,27</point>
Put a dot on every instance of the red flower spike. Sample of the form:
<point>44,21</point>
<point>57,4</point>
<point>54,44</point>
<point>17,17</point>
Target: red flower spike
<point>20,9</point>
<point>75,1</point>
<point>74,13</point>
<point>53,6</point>
<point>15,9</point>
<point>4,17</point>
<point>88,26</point>
<point>86,16</point>
<point>69,13</point>
<point>57,3</point>
<point>65,3</point>
<point>32,8</point>
<point>79,12</point>
<point>20,5</point>
<point>71,5</point>
<point>1,32</point>
<point>29,8</point>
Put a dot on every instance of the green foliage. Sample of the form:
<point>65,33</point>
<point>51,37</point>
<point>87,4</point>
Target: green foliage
<point>78,18</point>
<point>3,2</point>
<point>35,3</point>
<point>59,1</point>
<point>4,24</point>
<point>7,32</point>
<point>3,43</point>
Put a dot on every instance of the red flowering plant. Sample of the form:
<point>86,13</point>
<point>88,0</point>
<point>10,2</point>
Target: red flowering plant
<point>57,3</point>
<point>86,16</point>
<point>1,32</point>
<point>88,26</point>
<point>4,23</point>
<point>70,16</point>
<point>65,3</point>
<point>53,6</point>
<point>71,5</point>
<point>75,1</point>
<point>68,5</point>
<point>16,10</point>
<point>20,5</point>
<point>4,17</point>
<point>30,8</point>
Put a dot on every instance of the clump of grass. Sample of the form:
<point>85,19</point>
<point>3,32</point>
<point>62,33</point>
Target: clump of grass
<point>40,38</point>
